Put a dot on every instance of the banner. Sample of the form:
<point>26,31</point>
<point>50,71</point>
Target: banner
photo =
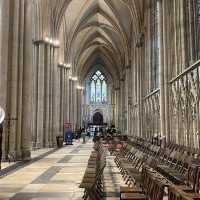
<point>67,125</point>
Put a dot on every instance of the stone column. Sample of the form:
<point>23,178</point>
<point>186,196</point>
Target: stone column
<point>117,107</point>
<point>140,84</point>
<point>27,83</point>
<point>51,97</point>
<point>4,33</point>
<point>40,96</point>
<point>71,101</point>
<point>74,106</point>
<point>79,105</point>
<point>163,31</point>
<point>122,93</point>
<point>66,96</point>
<point>55,110</point>
<point>62,96</point>
<point>162,74</point>
<point>47,95</point>
<point>13,83</point>
<point>127,98</point>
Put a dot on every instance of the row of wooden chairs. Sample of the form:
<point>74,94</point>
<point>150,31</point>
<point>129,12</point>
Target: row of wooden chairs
<point>92,179</point>
<point>174,160</point>
<point>153,188</point>
<point>157,187</point>
<point>131,160</point>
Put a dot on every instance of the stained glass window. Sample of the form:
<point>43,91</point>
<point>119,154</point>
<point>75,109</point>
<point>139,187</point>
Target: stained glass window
<point>98,88</point>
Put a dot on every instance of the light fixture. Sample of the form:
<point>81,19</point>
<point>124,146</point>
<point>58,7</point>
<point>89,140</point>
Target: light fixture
<point>56,42</point>
<point>74,78</point>
<point>80,87</point>
<point>51,41</point>
<point>46,39</point>
<point>68,65</point>
<point>64,65</point>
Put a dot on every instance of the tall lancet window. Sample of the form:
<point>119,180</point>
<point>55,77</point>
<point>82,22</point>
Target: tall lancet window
<point>98,88</point>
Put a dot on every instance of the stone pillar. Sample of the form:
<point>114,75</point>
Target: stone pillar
<point>4,33</point>
<point>27,83</point>
<point>55,110</point>
<point>70,101</point>
<point>16,86</point>
<point>13,83</point>
<point>51,97</point>
<point>47,96</point>
<point>163,31</point>
<point>122,93</point>
<point>140,84</point>
<point>62,96</point>
<point>40,96</point>
<point>127,99</point>
<point>66,97</point>
<point>117,107</point>
<point>74,106</point>
<point>79,106</point>
<point>162,74</point>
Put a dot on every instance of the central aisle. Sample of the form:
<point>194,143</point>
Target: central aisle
<point>54,177</point>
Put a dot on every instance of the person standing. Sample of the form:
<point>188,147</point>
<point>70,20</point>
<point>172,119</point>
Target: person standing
<point>79,134</point>
<point>95,132</point>
<point>68,136</point>
<point>83,134</point>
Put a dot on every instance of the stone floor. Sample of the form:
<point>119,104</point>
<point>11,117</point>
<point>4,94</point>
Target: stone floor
<point>57,176</point>
<point>34,154</point>
<point>112,180</point>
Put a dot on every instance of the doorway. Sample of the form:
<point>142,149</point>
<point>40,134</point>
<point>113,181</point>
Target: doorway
<point>98,118</point>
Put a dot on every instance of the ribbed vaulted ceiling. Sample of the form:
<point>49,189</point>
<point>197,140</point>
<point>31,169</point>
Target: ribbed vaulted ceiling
<point>90,30</point>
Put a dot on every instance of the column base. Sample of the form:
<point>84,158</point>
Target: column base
<point>19,155</point>
<point>52,145</point>
<point>38,145</point>
<point>26,154</point>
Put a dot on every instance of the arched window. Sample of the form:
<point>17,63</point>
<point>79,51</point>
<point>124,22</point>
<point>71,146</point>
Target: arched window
<point>98,88</point>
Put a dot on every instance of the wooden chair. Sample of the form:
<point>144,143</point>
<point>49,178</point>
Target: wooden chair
<point>91,181</point>
<point>173,194</point>
<point>153,189</point>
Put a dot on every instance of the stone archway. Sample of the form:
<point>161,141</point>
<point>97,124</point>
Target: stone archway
<point>98,118</point>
